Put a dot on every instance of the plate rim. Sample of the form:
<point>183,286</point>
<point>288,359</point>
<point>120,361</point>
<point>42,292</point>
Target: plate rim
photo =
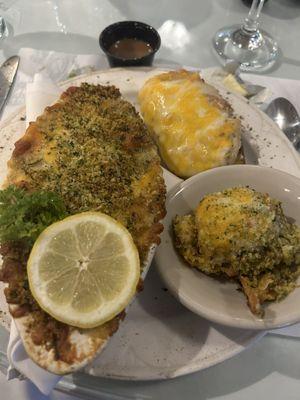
<point>229,352</point>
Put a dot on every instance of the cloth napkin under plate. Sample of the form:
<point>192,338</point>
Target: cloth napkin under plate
<point>39,90</point>
<point>288,88</point>
<point>57,66</point>
<point>39,94</point>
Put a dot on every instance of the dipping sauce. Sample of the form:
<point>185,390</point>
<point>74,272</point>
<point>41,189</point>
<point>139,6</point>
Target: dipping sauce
<point>130,48</point>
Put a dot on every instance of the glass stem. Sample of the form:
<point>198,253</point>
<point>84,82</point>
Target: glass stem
<point>251,21</point>
<point>3,28</point>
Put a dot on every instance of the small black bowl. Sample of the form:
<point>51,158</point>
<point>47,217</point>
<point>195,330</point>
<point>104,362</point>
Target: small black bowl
<point>129,30</point>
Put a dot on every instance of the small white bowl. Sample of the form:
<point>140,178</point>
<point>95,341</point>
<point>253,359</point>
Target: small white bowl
<point>217,301</point>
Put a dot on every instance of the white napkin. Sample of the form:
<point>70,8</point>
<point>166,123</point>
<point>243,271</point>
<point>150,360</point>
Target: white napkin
<point>39,94</point>
<point>39,90</point>
<point>279,87</point>
<point>58,66</point>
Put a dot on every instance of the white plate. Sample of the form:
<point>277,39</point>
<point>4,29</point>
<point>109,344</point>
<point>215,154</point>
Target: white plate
<point>159,338</point>
<point>220,301</point>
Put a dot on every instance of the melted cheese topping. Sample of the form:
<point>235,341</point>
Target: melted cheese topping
<point>191,123</point>
<point>234,220</point>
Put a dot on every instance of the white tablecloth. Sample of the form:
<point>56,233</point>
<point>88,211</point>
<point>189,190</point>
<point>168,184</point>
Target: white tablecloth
<point>271,368</point>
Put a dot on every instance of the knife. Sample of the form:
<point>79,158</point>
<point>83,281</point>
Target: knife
<point>8,72</point>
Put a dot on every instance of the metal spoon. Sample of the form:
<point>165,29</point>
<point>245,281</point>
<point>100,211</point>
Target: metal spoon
<point>284,114</point>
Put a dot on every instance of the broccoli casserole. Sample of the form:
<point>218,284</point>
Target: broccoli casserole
<point>243,235</point>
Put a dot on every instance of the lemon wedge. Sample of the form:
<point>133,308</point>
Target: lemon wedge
<point>84,270</point>
<point>232,84</point>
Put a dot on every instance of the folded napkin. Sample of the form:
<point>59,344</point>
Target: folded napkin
<point>57,66</point>
<point>39,94</point>
<point>39,90</point>
<point>279,87</point>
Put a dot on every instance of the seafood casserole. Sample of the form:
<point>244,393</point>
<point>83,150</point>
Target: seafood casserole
<point>92,152</point>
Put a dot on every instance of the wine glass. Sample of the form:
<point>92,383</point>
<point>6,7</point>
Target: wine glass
<point>253,48</point>
<point>5,28</point>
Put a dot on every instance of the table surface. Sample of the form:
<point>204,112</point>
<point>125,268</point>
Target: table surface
<point>270,368</point>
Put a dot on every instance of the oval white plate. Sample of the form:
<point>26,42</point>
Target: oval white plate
<point>220,301</point>
<point>159,337</point>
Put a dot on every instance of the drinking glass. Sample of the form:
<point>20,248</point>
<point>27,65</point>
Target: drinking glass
<point>253,48</point>
<point>5,28</point>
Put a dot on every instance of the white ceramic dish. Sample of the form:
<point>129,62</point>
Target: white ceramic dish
<point>220,301</point>
<point>160,338</point>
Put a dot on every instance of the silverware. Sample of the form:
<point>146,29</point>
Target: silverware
<point>284,114</point>
<point>8,72</point>
<point>233,67</point>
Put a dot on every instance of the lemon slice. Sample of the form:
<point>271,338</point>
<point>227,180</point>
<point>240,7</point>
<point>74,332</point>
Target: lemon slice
<point>84,269</point>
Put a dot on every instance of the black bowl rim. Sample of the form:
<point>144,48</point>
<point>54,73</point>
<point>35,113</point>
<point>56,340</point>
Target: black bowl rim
<point>142,24</point>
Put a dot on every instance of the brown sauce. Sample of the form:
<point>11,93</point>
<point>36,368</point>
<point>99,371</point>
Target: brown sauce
<point>130,48</point>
